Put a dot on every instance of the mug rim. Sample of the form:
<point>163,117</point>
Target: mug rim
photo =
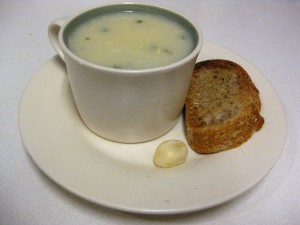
<point>167,67</point>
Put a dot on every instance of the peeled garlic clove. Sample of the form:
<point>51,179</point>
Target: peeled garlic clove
<point>170,153</point>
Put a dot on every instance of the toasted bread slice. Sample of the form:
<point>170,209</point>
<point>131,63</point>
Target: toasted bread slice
<point>222,107</point>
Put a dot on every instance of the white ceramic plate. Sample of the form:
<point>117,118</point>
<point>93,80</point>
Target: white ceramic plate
<point>122,176</point>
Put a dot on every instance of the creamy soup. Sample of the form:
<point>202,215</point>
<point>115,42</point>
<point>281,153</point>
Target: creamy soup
<point>127,40</point>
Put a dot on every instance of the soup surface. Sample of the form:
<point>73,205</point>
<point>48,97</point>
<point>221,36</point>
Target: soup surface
<point>127,40</point>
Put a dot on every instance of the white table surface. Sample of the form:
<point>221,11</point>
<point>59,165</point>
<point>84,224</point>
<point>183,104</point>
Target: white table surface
<point>266,33</point>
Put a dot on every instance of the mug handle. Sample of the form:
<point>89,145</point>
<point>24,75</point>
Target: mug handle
<point>53,31</point>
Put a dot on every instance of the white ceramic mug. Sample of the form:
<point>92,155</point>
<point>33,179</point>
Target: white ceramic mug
<point>127,106</point>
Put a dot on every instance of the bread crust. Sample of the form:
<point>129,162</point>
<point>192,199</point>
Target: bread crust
<point>222,107</point>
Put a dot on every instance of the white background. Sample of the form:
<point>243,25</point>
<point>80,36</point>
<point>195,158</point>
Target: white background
<point>266,33</point>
